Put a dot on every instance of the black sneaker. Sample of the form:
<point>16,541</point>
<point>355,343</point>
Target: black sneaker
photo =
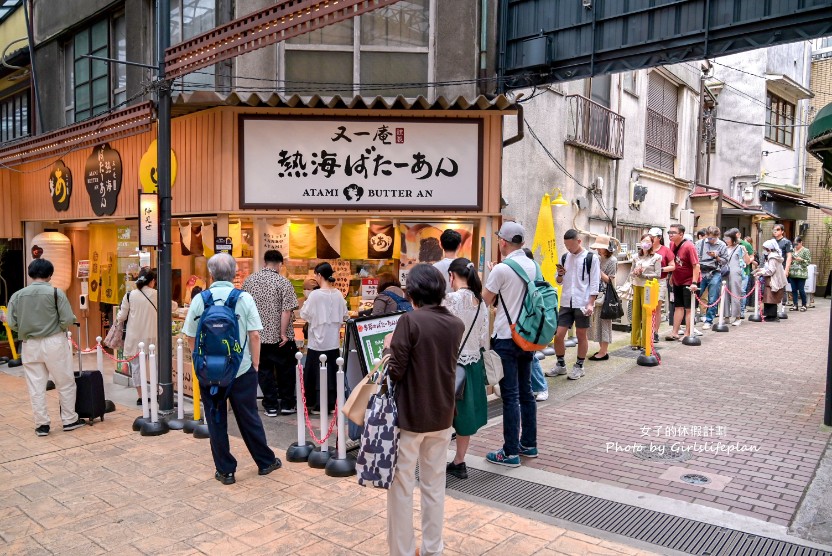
<point>266,470</point>
<point>315,411</point>
<point>270,412</point>
<point>225,478</point>
<point>42,430</point>
<point>458,470</point>
<point>76,425</point>
<point>288,410</point>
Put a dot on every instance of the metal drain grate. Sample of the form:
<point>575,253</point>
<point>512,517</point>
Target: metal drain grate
<point>695,479</point>
<point>661,452</point>
<point>664,530</point>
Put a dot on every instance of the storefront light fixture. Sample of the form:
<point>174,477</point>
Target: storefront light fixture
<point>559,201</point>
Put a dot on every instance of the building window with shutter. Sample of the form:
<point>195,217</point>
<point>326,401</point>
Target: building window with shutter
<point>14,116</point>
<point>374,54</point>
<point>779,120</point>
<point>662,127</point>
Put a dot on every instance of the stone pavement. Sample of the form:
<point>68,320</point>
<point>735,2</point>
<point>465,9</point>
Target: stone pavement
<point>105,489</point>
<point>758,388</point>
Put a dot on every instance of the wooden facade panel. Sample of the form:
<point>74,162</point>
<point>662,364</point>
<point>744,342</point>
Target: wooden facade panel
<point>206,148</point>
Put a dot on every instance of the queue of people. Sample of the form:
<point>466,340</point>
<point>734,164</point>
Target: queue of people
<point>446,311</point>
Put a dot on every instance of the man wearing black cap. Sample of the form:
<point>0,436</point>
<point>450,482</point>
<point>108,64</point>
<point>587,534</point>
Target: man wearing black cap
<point>519,406</point>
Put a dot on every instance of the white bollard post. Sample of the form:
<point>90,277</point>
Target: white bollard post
<point>154,401</point>
<point>691,339</point>
<point>341,466</point>
<point>143,379</point>
<point>324,402</point>
<point>757,315</point>
<point>300,450</point>
<point>342,420</point>
<point>99,354</point>
<point>299,402</point>
<point>721,326</point>
<point>180,380</point>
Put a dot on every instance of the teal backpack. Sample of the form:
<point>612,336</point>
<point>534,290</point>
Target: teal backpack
<point>537,322</point>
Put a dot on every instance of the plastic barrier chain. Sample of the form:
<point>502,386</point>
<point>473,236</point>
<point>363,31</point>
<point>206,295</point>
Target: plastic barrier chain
<point>76,346</point>
<point>332,422</point>
<point>749,294</point>
<point>714,304</point>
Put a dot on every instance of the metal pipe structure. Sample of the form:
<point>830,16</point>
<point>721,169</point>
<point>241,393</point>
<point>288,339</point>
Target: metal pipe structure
<point>165,264</point>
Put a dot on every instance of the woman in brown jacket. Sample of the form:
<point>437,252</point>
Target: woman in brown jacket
<point>423,352</point>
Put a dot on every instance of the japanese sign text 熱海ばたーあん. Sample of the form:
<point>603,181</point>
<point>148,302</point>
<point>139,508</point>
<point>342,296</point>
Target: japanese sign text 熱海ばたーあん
<point>360,163</point>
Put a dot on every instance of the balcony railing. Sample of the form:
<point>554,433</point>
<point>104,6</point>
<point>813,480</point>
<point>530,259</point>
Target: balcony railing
<point>595,127</point>
<point>662,132</point>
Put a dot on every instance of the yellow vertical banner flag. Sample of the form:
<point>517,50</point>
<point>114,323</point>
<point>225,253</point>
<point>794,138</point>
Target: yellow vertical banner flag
<point>303,242</point>
<point>354,240</point>
<point>544,244</point>
<point>104,264</point>
<point>235,232</point>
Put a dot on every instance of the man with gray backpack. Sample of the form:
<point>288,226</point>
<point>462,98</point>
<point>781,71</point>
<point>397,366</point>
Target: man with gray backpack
<point>223,329</point>
<point>525,321</point>
<point>580,274</point>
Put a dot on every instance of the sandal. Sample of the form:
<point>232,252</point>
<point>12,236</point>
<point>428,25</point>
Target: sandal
<point>802,309</point>
<point>792,308</point>
<point>671,338</point>
<point>596,358</point>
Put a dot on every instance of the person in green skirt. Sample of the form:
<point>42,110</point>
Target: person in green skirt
<point>465,302</point>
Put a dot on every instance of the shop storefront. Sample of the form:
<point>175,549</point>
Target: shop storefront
<point>366,186</point>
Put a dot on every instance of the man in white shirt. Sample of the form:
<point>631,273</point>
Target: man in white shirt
<point>519,406</point>
<point>450,240</point>
<point>580,283</point>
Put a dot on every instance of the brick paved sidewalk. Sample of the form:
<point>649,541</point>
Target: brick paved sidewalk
<point>105,489</point>
<point>761,385</point>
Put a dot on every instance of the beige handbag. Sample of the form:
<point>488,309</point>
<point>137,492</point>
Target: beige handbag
<point>355,406</point>
<point>493,366</point>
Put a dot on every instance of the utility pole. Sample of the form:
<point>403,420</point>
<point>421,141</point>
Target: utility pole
<point>164,349</point>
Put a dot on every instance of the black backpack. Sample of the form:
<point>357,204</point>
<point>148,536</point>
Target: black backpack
<point>587,263</point>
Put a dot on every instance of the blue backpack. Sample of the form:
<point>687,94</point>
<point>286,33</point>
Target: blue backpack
<point>218,354</point>
<point>402,304</point>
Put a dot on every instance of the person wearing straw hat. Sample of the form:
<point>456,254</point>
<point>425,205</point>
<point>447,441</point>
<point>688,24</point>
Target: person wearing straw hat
<point>600,330</point>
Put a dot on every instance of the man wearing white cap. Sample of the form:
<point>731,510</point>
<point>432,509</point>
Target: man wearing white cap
<point>519,406</point>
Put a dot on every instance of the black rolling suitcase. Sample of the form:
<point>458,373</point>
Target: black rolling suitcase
<point>89,399</point>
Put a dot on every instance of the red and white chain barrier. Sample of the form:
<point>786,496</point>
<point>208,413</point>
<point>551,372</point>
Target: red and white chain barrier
<point>98,348</point>
<point>323,403</point>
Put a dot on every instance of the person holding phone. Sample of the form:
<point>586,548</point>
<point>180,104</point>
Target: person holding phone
<point>713,255</point>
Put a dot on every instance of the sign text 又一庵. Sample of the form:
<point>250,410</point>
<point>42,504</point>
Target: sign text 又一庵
<point>361,163</point>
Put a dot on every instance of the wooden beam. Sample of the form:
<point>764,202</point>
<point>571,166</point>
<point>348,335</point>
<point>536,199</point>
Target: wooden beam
<point>271,25</point>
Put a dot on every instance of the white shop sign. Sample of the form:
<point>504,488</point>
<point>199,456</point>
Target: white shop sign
<point>360,163</point>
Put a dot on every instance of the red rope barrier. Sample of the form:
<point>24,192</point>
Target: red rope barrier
<point>739,296</point>
<point>306,412</point>
<point>702,302</point>
<point>76,346</point>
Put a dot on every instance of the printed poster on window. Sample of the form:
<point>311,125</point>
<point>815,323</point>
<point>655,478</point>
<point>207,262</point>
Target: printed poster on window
<point>361,163</point>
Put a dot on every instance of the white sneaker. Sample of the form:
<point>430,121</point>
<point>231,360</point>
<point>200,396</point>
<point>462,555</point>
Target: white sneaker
<point>542,396</point>
<point>736,322</point>
<point>703,319</point>
<point>707,325</point>
<point>576,372</point>
<point>558,370</point>
<point>696,332</point>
